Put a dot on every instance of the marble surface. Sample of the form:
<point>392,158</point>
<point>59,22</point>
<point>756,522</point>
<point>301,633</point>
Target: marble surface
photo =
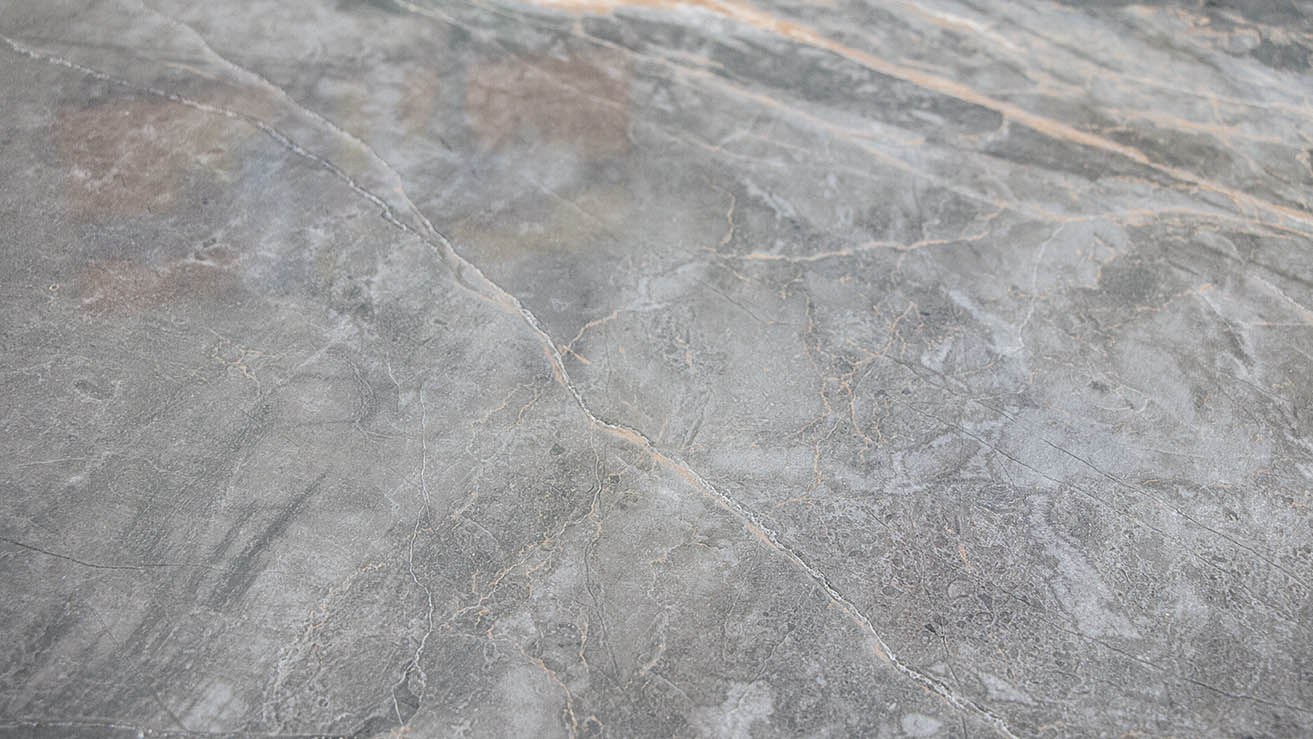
<point>735,368</point>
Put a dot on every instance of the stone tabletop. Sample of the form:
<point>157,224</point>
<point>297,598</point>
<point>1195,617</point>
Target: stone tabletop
<point>715,368</point>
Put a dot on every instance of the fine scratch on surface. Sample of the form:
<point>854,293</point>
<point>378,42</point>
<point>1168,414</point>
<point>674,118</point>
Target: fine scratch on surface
<point>142,567</point>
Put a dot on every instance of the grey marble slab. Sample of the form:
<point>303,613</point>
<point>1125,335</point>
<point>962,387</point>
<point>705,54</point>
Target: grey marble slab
<point>734,368</point>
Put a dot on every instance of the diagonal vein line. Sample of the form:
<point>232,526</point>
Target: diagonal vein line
<point>489,290</point>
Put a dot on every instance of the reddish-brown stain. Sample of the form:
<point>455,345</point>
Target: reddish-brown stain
<point>124,156</point>
<point>119,285</point>
<point>581,101</point>
<point>127,156</point>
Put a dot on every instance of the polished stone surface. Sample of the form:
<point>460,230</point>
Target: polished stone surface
<point>645,369</point>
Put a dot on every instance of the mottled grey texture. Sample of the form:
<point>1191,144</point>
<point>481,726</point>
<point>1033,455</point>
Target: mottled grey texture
<point>656,369</point>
